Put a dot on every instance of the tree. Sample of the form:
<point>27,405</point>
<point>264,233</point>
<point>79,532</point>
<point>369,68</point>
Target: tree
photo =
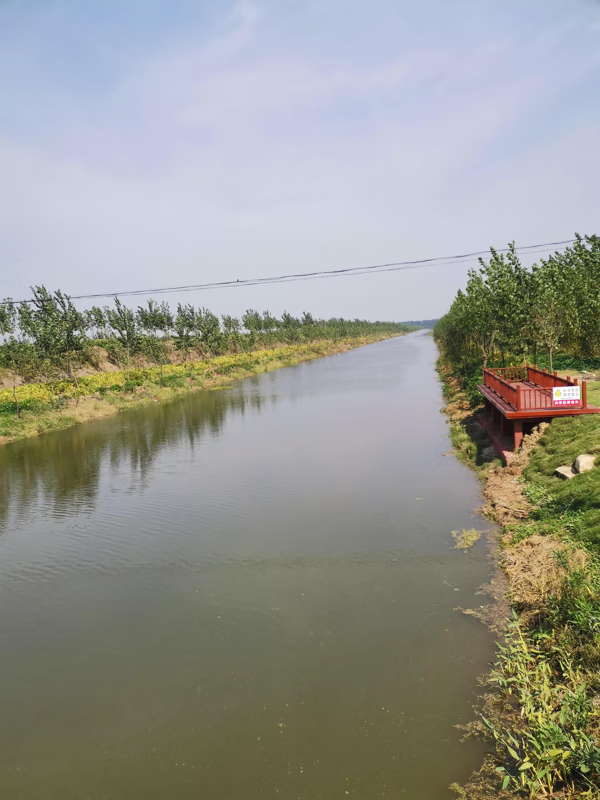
<point>252,321</point>
<point>96,321</point>
<point>481,322</point>
<point>231,325</point>
<point>231,331</point>
<point>208,331</point>
<point>155,319</point>
<point>548,307</point>
<point>57,329</point>
<point>515,310</point>
<point>124,331</point>
<point>9,353</point>
<point>289,327</point>
<point>185,327</point>
<point>48,337</point>
<point>269,326</point>
<point>581,266</point>
<point>8,317</point>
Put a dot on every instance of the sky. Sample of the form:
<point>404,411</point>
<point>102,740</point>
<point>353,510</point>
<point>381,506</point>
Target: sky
<point>151,143</point>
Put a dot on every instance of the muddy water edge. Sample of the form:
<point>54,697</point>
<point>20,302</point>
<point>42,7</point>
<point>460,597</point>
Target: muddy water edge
<point>249,593</point>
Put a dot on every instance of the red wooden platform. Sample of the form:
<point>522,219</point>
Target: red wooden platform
<point>519,395</point>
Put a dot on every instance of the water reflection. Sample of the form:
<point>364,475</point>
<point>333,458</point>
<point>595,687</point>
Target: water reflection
<point>62,471</point>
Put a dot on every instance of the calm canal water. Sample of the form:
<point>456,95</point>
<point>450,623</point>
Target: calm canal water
<point>244,594</point>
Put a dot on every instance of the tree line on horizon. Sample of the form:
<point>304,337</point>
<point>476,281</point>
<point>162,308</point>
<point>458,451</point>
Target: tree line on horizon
<point>49,337</point>
<point>509,313</point>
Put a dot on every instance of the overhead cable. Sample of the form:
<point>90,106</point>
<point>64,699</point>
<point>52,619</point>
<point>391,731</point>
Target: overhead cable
<point>394,266</point>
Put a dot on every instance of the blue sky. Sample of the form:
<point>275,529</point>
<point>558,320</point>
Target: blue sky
<point>169,142</point>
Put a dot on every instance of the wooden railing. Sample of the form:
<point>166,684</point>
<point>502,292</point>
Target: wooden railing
<point>547,379</point>
<point>534,399</point>
<point>510,373</point>
<point>502,380</point>
<point>501,387</point>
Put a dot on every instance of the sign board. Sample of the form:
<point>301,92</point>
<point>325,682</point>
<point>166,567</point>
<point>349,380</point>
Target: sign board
<point>566,396</point>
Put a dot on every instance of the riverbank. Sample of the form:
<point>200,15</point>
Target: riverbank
<point>541,706</point>
<point>45,407</point>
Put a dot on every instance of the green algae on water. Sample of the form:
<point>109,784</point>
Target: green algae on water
<point>465,539</point>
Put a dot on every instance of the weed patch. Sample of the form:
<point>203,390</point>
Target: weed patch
<point>465,539</point>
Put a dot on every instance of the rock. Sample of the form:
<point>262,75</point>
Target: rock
<point>566,473</point>
<point>584,463</point>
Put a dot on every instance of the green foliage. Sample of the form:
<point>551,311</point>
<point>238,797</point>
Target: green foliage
<point>537,494</point>
<point>49,339</point>
<point>56,329</point>
<point>548,671</point>
<point>7,317</point>
<point>185,327</point>
<point>508,311</point>
<point>555,746</point>
<point>175,381</point>
<point>567,361</point>
<point>123,327</point>
<point>97,322</point>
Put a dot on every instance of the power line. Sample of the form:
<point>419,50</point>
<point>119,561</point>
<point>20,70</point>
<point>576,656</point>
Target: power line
<point>395,266</point>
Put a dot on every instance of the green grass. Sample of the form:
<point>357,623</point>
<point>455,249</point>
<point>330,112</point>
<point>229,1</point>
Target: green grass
<point>572,505</point>
<point>552,664</point>
<point>544,713</point>
<point>593,393</point>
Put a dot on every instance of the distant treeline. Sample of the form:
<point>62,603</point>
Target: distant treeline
<point>509,313</point>
<point>421,323</point>
<point>49,337</point>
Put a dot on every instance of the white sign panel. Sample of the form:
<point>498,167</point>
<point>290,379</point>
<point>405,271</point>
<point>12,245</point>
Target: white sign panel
<point>566,395</point>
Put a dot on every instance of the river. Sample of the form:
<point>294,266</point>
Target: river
<point>244,594</point>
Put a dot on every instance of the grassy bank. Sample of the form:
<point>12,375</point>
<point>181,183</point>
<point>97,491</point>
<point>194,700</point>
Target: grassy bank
<point>541,705</point>
<point>44,407</point>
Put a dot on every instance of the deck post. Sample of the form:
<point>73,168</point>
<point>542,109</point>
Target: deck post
<point>518,432</point>
<point>584,394</point>
<point>518,398</point>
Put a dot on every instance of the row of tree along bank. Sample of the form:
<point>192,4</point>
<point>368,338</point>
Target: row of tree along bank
<point>509,313</point>
<point>62,366</point>
<point>541,707</point>
<point>47,337</point>
<point>53,406</point>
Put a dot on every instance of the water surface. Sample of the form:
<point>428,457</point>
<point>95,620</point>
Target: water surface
<point>244,594</point>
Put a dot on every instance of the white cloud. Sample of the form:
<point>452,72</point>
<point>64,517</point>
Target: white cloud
<point>249,153</point>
